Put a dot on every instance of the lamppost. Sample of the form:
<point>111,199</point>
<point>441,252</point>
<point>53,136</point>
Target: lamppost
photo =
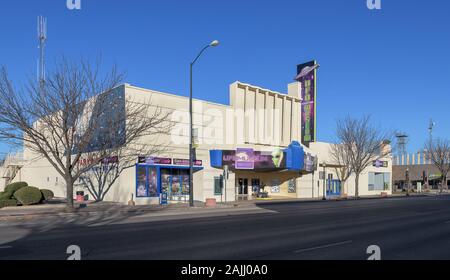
<point>191,126</point>
<point>407,181</point>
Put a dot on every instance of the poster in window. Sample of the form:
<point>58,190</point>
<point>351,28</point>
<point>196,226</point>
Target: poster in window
<point>276,186</point>
<point>152,183</point>
<point>292,188</point>
<point>141,188</point>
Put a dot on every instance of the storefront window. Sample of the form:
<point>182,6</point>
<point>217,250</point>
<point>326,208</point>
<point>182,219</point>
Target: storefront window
<point>184,175</point>
<point>379,181</point>
<point>141,188</point>
<point>147,184</point>
<point>152,183</point>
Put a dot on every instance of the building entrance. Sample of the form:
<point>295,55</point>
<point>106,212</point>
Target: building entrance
<point>175,182</point>
<point>242,189</point>
<point>333,187</point>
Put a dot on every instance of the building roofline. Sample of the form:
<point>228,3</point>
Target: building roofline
<point>173,95</point>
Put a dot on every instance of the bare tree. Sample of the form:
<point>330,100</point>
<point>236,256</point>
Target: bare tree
<point>99,180</point>
<point>439,154</point>
<point>364,144</point>
<point>340,155</point>
<point>76,119</point>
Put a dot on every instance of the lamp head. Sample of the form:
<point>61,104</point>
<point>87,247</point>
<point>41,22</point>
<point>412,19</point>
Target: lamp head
<point>214,43</point>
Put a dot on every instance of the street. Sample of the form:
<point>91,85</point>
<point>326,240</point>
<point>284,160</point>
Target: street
<point>403,228</point>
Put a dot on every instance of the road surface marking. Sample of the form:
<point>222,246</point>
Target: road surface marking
<point>323,246</point>
<point>5,247</point>
<point>447,222</point>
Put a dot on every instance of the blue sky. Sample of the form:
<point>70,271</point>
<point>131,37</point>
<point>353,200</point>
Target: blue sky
<point>392,63</point>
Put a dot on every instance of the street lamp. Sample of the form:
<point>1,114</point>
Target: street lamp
<point>214,43</point>
<point>407,181</point>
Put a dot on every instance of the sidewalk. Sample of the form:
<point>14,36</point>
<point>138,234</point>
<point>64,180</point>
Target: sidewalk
<point>58,207</point>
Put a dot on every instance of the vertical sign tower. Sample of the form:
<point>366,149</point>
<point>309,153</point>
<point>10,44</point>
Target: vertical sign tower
<point>307,76</point>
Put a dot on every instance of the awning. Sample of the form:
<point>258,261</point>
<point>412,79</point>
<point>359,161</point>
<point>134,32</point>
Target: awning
<point>293,158</point>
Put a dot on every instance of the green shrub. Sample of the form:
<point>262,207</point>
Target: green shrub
<point>47,195</point>
<point>8,203</point>
<point>28,196</point>
<point>5,195</point>
<point>12,188</point>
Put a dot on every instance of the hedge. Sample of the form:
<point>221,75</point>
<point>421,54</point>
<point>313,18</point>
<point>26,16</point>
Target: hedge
<point>12,188</point>
<point>47,194</point>
<point>28,196</point>
<point>8,203</point>
<point>5,195</point>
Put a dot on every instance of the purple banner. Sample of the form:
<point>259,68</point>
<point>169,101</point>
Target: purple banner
<point>245,159</point>
<point>155,160</point>
<point>178,161</point>
<point>257,160</point>
<point>307,77</point>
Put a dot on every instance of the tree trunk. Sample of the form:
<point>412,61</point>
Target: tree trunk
<point>69,190</point>
<point>357,186</point>
<point>443,184</point>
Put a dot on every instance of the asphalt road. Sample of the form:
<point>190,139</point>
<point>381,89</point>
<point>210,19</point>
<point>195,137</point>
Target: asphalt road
<point>403,228</point>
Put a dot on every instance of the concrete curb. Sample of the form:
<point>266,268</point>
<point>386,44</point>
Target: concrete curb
<point>162,211</point>
<point>272,202</point>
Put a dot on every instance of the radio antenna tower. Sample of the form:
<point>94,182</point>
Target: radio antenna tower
<point>42,37</point>
<point>430,129</point>
<point>402,140</point>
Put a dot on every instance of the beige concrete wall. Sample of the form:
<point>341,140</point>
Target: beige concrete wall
<point>270,119</point>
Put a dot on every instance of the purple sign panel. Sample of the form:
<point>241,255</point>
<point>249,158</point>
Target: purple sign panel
<point>178,161</point>
<point>254,160</point>
<point>155,160</point>
<point>245,159</point>
<point>307,76</point>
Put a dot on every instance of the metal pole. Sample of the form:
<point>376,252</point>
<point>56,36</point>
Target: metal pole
<point>191,127</point>
<point>313,184</point>
<point>324,180</point>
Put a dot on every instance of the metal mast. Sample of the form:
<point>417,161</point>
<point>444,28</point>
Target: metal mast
<point>402,140</point>
<point>42,37</point>
<point>430,129</point>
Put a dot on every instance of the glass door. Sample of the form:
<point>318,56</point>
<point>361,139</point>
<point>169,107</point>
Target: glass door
<point>175,182</point>
<point>333,187</point>
<point>256,187</point>
<point>242,189</point>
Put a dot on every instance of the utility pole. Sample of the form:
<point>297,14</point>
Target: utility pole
<point>407,181</point>
<point>42,37</point>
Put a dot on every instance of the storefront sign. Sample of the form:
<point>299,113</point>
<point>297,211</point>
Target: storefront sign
<point>255,160</point>
<point>155,160</point>
<point>245,159</point>
<point>310,163</point>
<point>178,161</point>
<point>307,75</point>
<point>291,158</point>
<point>379,163</point>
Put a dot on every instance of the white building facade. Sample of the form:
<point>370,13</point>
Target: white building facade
<point>257,137</point>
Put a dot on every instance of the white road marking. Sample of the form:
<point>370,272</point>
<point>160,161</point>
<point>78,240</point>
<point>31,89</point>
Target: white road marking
<point>323,246</point>
<point>5,247</point>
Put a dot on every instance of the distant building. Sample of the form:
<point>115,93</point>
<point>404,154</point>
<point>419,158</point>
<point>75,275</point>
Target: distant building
<point>420,168</point>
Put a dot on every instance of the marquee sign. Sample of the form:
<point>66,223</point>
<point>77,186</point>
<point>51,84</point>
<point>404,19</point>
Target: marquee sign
<point>307,76</point>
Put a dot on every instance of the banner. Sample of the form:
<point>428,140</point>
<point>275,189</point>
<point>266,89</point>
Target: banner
<point>247,159</point>
<point>307,76</point>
